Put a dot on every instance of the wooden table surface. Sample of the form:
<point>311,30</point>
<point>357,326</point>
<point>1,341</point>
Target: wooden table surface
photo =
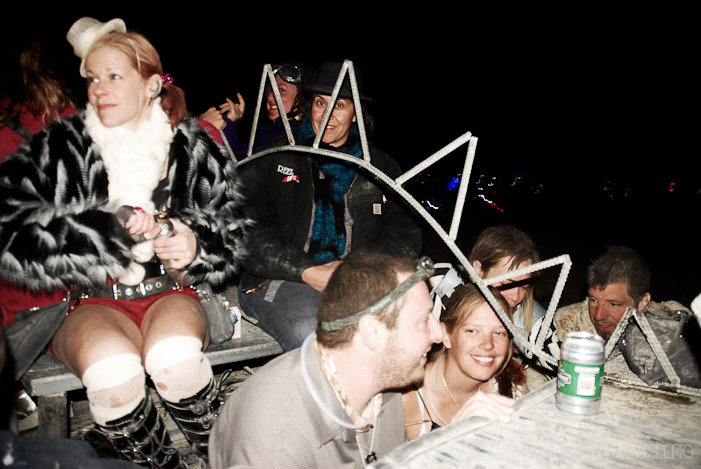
<point>636,427</point>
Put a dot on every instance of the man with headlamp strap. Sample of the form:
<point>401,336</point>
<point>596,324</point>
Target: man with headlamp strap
<point>328,404</point>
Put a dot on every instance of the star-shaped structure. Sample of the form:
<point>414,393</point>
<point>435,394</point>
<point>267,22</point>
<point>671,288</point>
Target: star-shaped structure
<point>448,237</point>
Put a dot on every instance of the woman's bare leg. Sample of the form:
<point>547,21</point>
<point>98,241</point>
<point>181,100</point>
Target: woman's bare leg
<point>103,347</point>
<point>92,333</point>
<point>174,315</point>
<point>175,334</point>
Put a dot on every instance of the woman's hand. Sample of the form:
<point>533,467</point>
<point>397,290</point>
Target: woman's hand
<point>318,276</point>
<point>235,110</point>
<point>142,225</point>
<point>490,406</point>
<point>178,250</point>
<point>214,117</point>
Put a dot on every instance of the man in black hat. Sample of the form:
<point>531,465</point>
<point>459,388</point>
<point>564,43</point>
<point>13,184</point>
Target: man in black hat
<point>328,403</point>
<point>310,211</point>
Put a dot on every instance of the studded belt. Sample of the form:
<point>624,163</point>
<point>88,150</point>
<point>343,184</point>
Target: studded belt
<point>117,291</point>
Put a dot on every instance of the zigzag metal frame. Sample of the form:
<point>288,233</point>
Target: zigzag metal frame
<point>655,346</point>
<point>520,339</point>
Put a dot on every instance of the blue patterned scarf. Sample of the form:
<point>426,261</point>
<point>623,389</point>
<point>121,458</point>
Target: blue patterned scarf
<point>332,181</point>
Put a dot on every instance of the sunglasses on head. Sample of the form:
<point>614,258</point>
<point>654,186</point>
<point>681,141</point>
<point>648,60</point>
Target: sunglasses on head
<point>289,73</point>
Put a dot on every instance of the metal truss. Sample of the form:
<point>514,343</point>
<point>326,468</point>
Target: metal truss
<point>449,237</point>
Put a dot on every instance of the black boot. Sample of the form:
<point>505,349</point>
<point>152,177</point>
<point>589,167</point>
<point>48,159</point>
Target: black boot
<point>196,415</point>
<point>140,437</point>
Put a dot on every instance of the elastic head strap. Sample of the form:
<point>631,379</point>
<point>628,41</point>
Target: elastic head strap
<point>424,270</point>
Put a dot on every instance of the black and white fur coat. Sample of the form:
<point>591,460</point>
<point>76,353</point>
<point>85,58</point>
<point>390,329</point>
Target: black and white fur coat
<point>58,228</point>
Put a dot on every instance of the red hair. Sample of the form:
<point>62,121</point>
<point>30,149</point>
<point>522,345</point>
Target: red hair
<point>147,62</point>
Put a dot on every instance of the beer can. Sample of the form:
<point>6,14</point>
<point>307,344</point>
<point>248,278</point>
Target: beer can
<point>580,373</point>
<point>166,228</point>
<point>177,275</point>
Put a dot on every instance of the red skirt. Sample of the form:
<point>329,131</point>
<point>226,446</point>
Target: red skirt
<point>135,309</point>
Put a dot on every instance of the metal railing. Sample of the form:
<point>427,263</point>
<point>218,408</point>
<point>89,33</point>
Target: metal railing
<point>530,349</point>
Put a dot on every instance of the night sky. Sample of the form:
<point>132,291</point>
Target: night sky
<point>567,95</point>
<point>557,92</point>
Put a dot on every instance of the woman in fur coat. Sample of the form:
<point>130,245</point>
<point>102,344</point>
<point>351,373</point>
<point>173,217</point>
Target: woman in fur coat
<point>130,151</point>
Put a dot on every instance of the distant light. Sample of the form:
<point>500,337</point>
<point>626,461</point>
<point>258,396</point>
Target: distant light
<point>492,204</point>
<point>454,183</point>
<point>431,205</point>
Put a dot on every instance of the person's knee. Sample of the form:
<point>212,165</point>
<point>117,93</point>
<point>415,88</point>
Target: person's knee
<point>178,367</point>
<point>285,310</point>
<point>302,329</point>
<point>92,333</point>
<point>114,386</point>
<point>174,313</point>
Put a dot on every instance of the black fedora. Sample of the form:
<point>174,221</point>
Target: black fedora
<point>326,79</point>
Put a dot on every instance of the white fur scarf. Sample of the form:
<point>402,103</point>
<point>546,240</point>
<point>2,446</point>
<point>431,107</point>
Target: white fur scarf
<point>134,162</point>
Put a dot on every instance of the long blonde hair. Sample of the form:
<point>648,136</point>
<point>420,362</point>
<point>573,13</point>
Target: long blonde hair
<point>505,241</point>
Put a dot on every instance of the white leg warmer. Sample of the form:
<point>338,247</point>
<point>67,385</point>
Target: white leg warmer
<point>178,367</point>
<point>115,386</point>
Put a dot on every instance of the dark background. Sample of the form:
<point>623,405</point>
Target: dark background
<point>592,108</point>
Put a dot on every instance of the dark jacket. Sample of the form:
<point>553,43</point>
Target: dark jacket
<point>56,232</point>
<point>279,194</point>
<point>266,132</point>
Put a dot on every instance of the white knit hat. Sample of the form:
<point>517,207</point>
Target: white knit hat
<point>86,31</point>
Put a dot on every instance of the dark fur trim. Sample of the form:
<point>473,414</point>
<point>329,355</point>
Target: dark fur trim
<point>55,231</point>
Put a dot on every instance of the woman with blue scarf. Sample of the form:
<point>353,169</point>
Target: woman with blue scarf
<point>310,212</point>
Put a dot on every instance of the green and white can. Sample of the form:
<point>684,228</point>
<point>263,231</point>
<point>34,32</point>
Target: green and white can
<point>580,373</point>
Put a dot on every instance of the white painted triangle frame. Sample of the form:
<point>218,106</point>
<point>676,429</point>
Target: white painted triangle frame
<point>448,238</point>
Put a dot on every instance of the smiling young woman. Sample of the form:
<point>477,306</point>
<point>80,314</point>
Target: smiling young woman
<point>472,374</point>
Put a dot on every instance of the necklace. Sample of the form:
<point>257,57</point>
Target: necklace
<point>342,419</point>
<point>371,455</point>
<point>374,407</point>
<point>430,400</point>
<point>445,383</point>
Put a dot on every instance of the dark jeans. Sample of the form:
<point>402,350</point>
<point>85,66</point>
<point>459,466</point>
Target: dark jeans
<point>285,310</point>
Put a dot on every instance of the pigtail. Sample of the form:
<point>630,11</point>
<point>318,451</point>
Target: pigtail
<point>173,102</point>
